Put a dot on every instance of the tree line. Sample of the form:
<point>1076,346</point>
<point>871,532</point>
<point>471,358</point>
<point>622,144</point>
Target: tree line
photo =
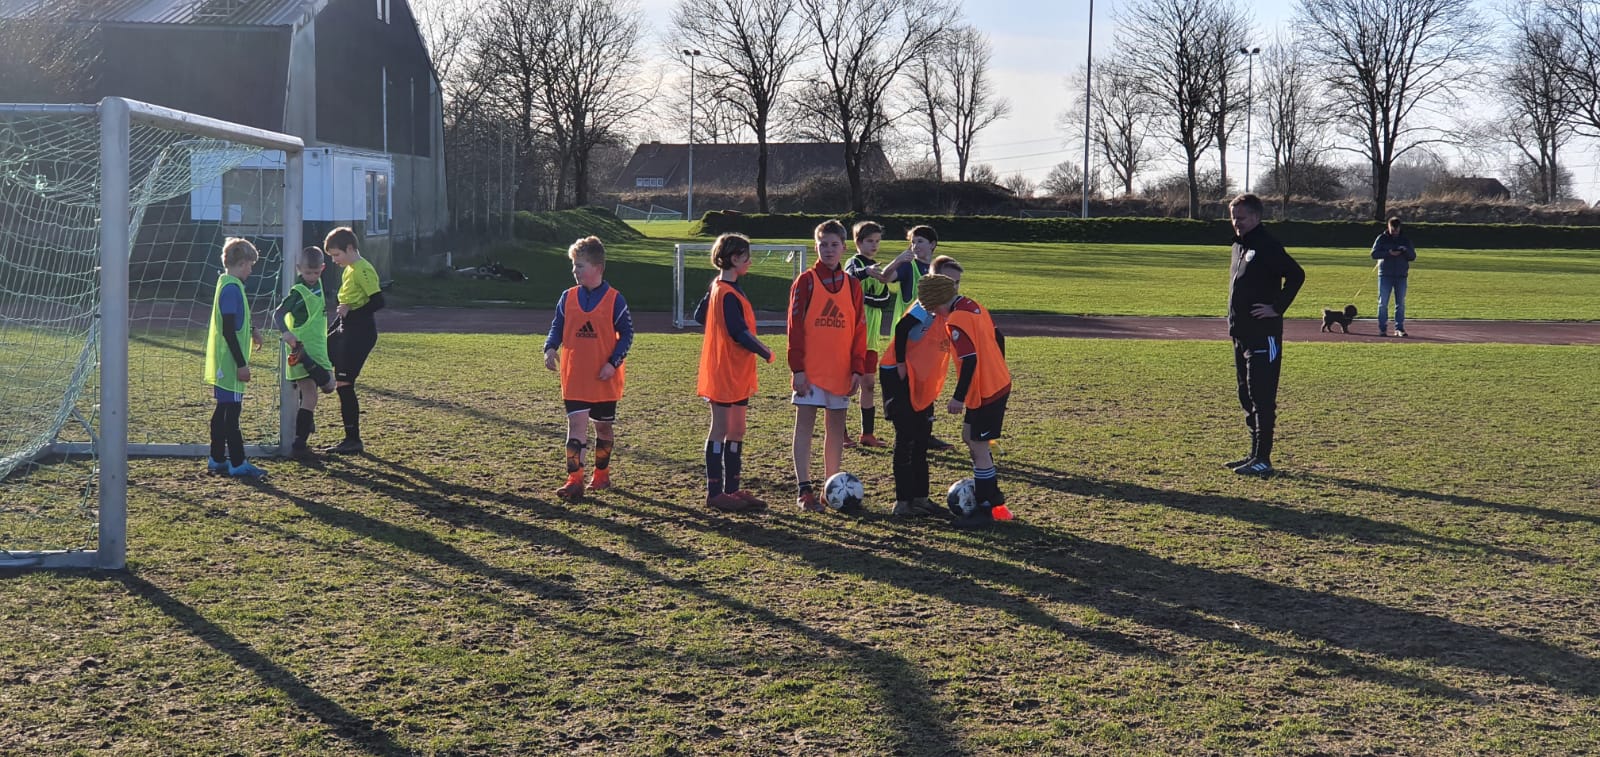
<point>1376,79</point>
<point>534,88</point>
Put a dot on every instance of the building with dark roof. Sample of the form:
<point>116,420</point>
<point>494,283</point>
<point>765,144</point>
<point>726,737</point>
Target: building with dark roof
<point>660,165</point>
<point>352,78</point>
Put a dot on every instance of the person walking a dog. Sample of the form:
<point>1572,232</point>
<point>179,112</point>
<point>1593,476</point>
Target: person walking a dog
<point>1394,254</point>
<point>1265,281</point>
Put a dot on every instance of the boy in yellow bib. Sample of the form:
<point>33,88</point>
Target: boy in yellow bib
<point>228,345</point>
<point>303,321</point>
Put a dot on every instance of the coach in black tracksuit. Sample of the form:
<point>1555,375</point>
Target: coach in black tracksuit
<point>1264,282</point>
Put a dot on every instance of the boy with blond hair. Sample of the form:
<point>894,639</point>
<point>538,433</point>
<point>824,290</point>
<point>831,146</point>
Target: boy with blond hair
<point>228,345</point>
<point>303,321</point>
<point>589,338</point>
<point>877,300</point>
<point>827,355</point>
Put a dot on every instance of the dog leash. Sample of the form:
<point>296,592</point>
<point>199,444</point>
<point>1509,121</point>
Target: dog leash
<point>1368,278</point>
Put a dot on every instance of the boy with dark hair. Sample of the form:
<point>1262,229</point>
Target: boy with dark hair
<point>877,299</point>
<point>727,376</point>
<point>1264,282</point>
<point>589,338</point>
<point>827,355</point>
<point>228,344</point>
<point>1394,254</point>
<point>303,319</point>
<point>360,297</point>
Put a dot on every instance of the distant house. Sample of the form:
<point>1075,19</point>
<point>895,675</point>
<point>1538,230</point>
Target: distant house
<point>352,78</point>
<point>1476,187</point>
<point>660,165</point>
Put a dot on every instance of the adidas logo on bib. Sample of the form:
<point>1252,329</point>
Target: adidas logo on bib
<point>586,331</point>
<point>832,317</point>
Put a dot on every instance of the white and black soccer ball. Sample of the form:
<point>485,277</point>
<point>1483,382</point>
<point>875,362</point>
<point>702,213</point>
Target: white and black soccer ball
<point>843,491</point>
<point>962,497</point>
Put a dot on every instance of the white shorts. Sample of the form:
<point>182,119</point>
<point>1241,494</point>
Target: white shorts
<point>819,397</point>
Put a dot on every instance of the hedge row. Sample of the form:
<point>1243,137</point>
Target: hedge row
<point>1162,230</point>
<point>564,226</point>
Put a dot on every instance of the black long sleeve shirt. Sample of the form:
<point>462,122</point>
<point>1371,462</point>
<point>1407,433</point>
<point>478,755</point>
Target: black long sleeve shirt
<point>1262,273</point>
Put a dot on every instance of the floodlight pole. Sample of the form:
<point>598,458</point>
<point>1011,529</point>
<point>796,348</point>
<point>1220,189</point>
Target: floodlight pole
<point>1088,91</point>
<point>690,55</point>
<point>1250,54</point>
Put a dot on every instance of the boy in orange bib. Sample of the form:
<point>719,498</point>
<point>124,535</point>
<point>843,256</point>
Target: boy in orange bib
<point>728,373</point>
<point>588,340</point>
<point>827,355</point>
<point>982,388</point>
<point>912,372</point>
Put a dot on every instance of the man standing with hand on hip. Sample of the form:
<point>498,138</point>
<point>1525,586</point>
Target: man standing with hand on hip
<point>1265,281</point>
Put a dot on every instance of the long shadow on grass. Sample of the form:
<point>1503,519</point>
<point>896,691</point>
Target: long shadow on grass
<point>923,727</point>
<point>357,731</point>
<point>1314,526</point>
<point>1560,516</point>
<point>955,577</point>
<point>920,568</point>
<point>1350,623</point>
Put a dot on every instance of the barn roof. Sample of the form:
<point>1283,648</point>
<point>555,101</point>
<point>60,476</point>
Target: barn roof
<point>192,12</point>
<point>734,164</point>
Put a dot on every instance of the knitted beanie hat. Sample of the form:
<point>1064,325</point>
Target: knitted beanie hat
<point>935,290</point>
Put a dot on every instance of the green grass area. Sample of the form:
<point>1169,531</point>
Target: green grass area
<point>1093,279</point>
<point>1419,581</point>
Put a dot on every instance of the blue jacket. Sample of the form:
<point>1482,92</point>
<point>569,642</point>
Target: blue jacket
<point>1397,266</point>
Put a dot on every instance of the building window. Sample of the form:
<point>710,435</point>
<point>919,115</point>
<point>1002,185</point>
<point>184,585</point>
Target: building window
<point>252,201</point>
<point>377,202</point>
<point>383,10</point>
<point>649,181</point>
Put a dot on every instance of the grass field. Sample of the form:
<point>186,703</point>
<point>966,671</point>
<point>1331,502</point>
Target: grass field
<point>1420,581</point>
<point>1086,279</point>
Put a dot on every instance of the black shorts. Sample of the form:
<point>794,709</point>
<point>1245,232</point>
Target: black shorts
<point>348,349</point>
<point>987,420</point>
<point>604,412</point>
<point>741,403</point>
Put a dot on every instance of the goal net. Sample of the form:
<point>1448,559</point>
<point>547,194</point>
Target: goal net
<point>112,218</point>
<point>773,267</point>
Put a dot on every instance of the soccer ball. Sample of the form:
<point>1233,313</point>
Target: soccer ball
<point>843,491</point>
<point>962,497</point>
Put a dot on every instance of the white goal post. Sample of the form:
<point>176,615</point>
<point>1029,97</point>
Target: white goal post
<point>149,159</point>
<point>772,268</point>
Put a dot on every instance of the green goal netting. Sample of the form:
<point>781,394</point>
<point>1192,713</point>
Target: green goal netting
<point>112,218</point>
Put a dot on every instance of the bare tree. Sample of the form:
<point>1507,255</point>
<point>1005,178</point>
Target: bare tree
<point>507,44</point>
<point>973,105</point>
<point>591,87</point>
<point>751,46</point>
<point>1172,48</point>
<point>1120,121</point>
<point>929,101</point>
<point>1066,180</point>
<point>1385,63</point>
<point>1578,22</point>
<point>1230,32</point>
<point>862,47</point>
<point>1539,114</point>
<point>1019,184</point>
<point>1292,110</point>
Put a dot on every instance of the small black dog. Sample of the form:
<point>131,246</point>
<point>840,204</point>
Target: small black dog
<point>1343,318</point>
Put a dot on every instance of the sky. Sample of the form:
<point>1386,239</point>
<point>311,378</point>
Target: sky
<point>1039,44</point>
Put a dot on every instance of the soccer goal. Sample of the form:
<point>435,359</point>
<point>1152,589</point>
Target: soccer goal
<point>655,213</point>
<point>112,218</point>
<point>773,267</point>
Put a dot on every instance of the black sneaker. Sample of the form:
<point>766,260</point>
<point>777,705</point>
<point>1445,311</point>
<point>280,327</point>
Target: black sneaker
<point>1231,464</point>
<point>1261,468</point>
<point>935,442</point>
<point>347,447</point>
<point>982,517</point>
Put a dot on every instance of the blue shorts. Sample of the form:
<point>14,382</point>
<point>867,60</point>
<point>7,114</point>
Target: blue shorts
<point>223,395</point>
